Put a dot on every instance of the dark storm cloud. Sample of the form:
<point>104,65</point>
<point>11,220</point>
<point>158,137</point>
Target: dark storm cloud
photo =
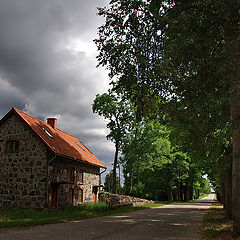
<point>9,97</point>
<point>47,65</point>
<point>32,35</point>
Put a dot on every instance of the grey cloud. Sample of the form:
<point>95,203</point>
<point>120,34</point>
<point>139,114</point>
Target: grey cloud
<point>32,34</point>
<point>41,74</point>
<point>10,97</point>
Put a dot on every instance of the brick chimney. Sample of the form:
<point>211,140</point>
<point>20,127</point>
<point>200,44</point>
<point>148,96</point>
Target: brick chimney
<point>52,122</point>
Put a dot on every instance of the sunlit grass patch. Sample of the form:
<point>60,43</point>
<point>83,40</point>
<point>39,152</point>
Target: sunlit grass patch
<point>29,217</point>
<point>216,225</point>
<point>153,205</point>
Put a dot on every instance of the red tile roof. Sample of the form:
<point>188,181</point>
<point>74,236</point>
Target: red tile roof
<point>59,141</point>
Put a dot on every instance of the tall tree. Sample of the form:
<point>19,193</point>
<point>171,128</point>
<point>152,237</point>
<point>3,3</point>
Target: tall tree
<point>118,113</point>
<point>108,183</point>
<point>146,144</point>
<point>155,168</point>
<point>186,54</point>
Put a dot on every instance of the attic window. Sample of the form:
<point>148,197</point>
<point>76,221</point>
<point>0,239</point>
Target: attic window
<point>46,132</point>
<point>12,145</point>
<point>80,146</point>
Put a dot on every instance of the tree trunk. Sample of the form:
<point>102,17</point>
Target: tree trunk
<point>187,191</point>
<point>138,170</point>
<point>169,194</point>
<point>218,194</point>
<point>131,167</point>
<point>169,185</point>
<point>190,190</point>
<point>131,176</point>
<point>228,193</point>
<point>235,115</point>
<point>181,192</point>
<point>115,168</point>
<point>236,170</point>
<point>231,35</point>
<point>119,178</point>
<point>189,185</point>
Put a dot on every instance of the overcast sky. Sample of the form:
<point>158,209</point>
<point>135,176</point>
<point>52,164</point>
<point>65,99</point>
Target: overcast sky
<point>48,66</point>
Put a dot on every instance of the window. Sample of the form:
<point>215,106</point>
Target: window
<point>71,196</point>
<point>72,174</point>
<point>46,132</point>
<point>12,145</point>
<point>80,146</point>
<point>80,196</point>
<point>80,177</point>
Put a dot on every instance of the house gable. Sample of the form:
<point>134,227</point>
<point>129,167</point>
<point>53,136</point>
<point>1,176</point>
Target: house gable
<point>22,172</point>
<point>58,141</point>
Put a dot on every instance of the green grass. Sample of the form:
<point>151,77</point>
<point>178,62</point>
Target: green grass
<point>216,225</point>
<point>30,217</point>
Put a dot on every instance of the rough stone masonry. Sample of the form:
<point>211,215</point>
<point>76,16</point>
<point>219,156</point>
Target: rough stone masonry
<point>26,177</point>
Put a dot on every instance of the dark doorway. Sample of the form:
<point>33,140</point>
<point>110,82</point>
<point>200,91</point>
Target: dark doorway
<point>95,191</point>
<point>54,195</point>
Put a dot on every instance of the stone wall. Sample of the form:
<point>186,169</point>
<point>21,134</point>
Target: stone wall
<point>91,179</point>
<point>23,173</point>
<point>60,173</point>
<point>119,199</point>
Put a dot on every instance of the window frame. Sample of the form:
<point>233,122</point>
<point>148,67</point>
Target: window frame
<point>72,195</point>
<point>72,175</point>
<point>80,189</point>
<point>12,140</point>
<point>80,176</point>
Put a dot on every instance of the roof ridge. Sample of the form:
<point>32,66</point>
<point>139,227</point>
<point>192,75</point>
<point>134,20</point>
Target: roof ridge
<point>17,110</point>
<point>20,113</point>
<point>57,129</point>
<point>62,142</point>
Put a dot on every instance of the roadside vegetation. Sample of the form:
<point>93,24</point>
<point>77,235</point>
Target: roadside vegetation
<point>31,217</point>
<point>216,225</point>
<point>174,103</point>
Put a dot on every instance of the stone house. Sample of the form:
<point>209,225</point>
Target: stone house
<point>43,166</point>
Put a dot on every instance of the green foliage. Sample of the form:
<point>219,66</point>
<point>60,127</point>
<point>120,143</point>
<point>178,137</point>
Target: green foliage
<point>153,167</point>
<point>108,184</point>
<point>180,60</point>
<point>206,188</point>
<point>201,186</point>
<point>116,111</point>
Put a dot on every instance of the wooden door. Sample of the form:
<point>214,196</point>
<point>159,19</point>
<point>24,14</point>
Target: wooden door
<point>95,191</point>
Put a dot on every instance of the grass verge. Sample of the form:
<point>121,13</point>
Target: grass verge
<point>31,217</point>
<point>216,225</point>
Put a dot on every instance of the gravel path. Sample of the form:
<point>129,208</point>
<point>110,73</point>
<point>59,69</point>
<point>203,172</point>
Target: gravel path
<point>175,221</point>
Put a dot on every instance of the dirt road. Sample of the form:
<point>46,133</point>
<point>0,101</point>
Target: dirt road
<point>178,221</point>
